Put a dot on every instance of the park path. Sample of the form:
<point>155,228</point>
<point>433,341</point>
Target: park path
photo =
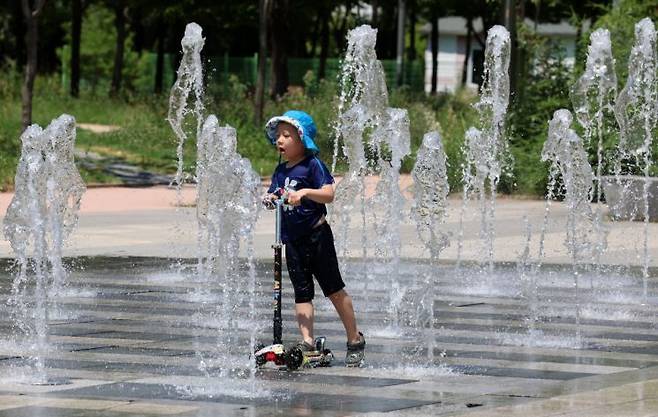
<point>123,199</point>
<point>148,221</point>
<point>103,199</point>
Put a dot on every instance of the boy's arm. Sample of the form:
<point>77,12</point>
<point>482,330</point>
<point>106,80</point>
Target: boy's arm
<point>323,195</point>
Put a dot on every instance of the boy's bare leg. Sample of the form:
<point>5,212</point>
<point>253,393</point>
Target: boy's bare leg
<point>304,312</point>
<point>343,304</point>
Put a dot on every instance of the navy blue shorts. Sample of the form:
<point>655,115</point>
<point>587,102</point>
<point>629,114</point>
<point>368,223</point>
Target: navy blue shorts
<point>313,255</point>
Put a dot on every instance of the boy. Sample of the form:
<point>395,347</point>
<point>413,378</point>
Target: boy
<point>306,184</point>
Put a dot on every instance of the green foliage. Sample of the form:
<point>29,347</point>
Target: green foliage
<point>11,79</point>
<point>455,113</point>
<point>544,89</point>
<point>620,21</point>
<point>9,144</point>
<point>145,138</point>
<point>97,45</point>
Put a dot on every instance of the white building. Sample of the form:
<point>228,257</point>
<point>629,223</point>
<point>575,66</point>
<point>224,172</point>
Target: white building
<point>452,50</point>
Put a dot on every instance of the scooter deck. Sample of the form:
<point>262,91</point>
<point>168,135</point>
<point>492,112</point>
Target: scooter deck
<point>294,357</point>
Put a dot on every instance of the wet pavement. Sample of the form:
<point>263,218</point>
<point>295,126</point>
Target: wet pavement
<point>128,338</point>
<point>129,334</point>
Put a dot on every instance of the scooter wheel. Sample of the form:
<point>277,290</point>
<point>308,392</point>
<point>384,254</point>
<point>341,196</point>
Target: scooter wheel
<point>327,357</point>
<point>260,359</point>
<point>293,358</point>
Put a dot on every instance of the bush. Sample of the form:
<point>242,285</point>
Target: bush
<point>620,20</point>
<point>146,139</point>
<point>449,114</point>
<point>544,89</point>
<point>455,114</point>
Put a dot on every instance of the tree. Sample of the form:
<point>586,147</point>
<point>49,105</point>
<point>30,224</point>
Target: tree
<point>544,93</point>
<point>11,30</point>
<point>160,51</point>
<point>510,18</point>
<point>432,10</point>
<point>278,23</point>
<point>411,52</point>
<point>263,6</point>
<point>375,12</point>
<point>467,55</point>
<point>387,30</point>
<point>400,42</point>
<point>151,22</point>
<point>620,20</point>
<point>324,16</point>
<point>120,11</point>
<point>77,7</point>
<point>434,42</point>
<point>98,49</point>
<point>31,14</point>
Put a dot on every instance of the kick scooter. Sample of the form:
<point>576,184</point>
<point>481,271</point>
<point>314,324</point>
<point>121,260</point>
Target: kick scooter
<point>292,357</point>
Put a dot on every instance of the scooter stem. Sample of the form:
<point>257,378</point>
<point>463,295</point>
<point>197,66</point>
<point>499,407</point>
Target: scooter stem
<point>277,246</point>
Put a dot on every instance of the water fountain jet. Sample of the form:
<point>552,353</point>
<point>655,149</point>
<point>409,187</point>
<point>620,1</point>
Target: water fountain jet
<point>565,150</point>
<point>486,148</point>
<point>40,217</point>
<point>593,98</point>
<point>637,114</point>
<point>428,210</point>
<point>376,139</point>
<point>189,81</point>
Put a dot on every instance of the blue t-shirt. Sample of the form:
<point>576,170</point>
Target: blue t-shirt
<point>298,221</point>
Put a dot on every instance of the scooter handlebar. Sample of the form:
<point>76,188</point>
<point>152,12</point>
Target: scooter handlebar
<point>270,204</point>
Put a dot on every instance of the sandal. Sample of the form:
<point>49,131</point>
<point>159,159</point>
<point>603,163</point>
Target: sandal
<point>356,352</point>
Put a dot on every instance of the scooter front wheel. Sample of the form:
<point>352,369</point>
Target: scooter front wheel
<point>260,359</point>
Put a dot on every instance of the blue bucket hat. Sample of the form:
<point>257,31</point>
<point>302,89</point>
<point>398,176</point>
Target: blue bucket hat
<point>304,124</point>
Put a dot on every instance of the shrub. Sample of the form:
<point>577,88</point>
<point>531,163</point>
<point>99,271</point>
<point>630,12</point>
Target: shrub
<point>544,89</point>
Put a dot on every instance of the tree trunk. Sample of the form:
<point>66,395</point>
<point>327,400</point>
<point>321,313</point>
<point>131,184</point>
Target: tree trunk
<point>31,41</point>
<point>579,53</point>
<point>399,58</point>
<point>434,42</point>
<point>537,12</point>
<point>279,27</point>
<point>375,13</point>
<point>76,28</point>
<point>467,56</point>
<point>159,61</point>
<point>340,30</point>
<point>315,34</point>
<point>120,25</point>
<point>263,11</point>
<point>510,24</point>
<point>324,42</point>
<point>520,59</point>
<point>137,27</point>
<point>411,52</point>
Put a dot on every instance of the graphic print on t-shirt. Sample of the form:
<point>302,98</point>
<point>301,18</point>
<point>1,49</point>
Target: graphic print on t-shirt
<point>289,186</point>
<point>309,173</point>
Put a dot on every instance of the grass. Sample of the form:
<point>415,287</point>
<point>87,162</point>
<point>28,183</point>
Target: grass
<point>146,140</point>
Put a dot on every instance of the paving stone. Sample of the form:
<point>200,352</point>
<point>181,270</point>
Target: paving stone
<point>294,400</point>
<point>137,341</point>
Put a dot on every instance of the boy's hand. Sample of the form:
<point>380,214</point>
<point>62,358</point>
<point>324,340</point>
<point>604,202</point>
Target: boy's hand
<point>268,201</point>
<point>295,197</point>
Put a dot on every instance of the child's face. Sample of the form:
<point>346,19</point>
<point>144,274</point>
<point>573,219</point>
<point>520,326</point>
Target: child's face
<point>288,142</point>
